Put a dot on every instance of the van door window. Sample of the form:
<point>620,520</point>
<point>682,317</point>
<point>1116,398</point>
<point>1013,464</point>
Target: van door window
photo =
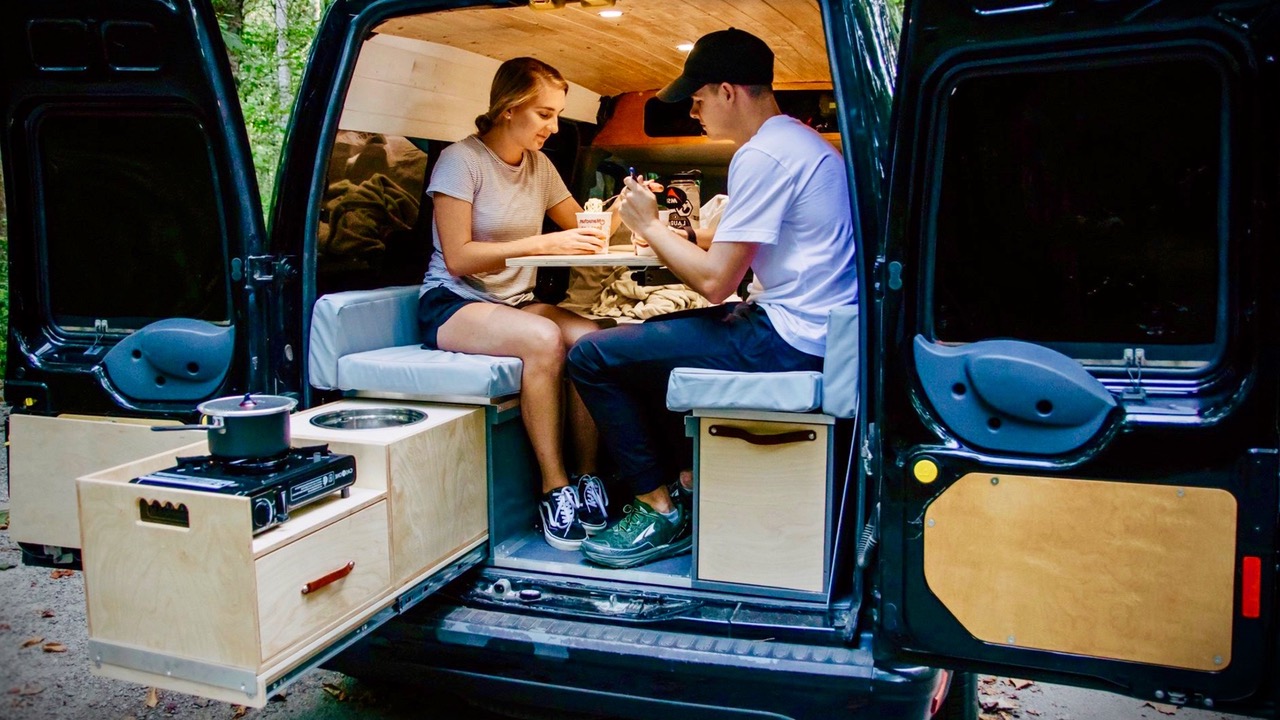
<point>131,230</point>
<point>1083,209</point>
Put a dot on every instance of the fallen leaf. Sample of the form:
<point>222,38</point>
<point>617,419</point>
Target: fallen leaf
<point>998,704</point>
<point>7,566</point>
<point>53,647</point>
<point>1162,708</point>
<point>1033,712</point>
<point>238,711</point>
<point>153,697</point>
<point>32,641</point>
<point>4,627</point>
<point>1020,684</point>
<point>46,613</point>
<point>4,519</point>
<point>59,574</point>
<point>31,690</point>
<point>987,680</point>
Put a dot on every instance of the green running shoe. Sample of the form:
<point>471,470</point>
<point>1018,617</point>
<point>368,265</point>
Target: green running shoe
<point>642,535</point>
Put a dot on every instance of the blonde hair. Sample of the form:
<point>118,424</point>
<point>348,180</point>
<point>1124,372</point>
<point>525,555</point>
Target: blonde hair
<point>517,81</point>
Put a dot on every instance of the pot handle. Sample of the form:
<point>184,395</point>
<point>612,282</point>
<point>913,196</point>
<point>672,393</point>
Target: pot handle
<point>168,428</point>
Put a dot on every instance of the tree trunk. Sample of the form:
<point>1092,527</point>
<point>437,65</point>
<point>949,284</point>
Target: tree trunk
<point>282,59</point>
<point>231,17</point>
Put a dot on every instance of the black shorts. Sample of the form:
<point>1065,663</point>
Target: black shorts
<point>435,307</point>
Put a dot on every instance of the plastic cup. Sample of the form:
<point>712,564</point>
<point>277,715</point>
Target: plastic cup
<point>598,221</point>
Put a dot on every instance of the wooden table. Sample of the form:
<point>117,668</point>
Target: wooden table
<point>614,258</point>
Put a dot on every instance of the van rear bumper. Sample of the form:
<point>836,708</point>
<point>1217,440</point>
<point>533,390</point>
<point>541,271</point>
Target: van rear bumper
<point>630,671</point>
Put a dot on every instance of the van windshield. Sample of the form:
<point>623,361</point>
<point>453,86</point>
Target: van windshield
<point>1084,209</point>
<point>132,230</point>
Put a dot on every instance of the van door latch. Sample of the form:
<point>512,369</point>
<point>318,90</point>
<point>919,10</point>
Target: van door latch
<point>266,268</point>
<point>1134,359</point>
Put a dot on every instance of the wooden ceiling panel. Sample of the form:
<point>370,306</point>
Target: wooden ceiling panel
<point>634,52</point>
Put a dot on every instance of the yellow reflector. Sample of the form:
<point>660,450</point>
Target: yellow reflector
<point>925,470</point>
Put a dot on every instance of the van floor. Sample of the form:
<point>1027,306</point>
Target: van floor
<point>529,551</point>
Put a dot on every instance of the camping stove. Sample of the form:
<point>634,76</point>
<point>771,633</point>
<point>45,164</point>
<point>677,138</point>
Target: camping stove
<point>275,486</point>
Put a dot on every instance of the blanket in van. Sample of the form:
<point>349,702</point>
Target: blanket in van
<point>624,297</point>
<point>361,217</point>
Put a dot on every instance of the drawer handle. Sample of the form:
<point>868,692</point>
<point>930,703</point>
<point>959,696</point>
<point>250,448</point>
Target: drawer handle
<point>737,433</point>
<point>332,577</point>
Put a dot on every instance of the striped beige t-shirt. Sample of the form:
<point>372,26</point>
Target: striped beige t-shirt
<point>508,202</point>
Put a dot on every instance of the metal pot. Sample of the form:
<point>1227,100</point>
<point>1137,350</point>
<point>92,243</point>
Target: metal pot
<point>255,426</point>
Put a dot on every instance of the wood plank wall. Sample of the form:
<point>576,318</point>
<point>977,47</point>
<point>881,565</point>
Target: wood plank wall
<point>414,88</point>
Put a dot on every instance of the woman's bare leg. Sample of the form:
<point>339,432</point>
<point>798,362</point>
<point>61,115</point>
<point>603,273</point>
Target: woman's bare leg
<point>583,436</point>
<point>493,329</point>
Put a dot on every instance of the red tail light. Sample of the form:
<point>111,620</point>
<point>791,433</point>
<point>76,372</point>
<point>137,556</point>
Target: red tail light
<point>1251,587</point>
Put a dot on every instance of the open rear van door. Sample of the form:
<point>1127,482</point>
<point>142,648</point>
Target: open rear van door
<point>135,233</point>
<point>1076,383</point>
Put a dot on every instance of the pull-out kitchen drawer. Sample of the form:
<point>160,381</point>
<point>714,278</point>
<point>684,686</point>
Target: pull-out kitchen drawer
<point>182,595</point>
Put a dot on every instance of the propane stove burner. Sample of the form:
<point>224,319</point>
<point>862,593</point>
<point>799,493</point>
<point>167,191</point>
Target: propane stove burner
<point>274,485</point>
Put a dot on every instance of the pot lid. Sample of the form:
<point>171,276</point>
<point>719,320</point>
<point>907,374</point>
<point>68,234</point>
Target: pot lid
<point>249,405</point>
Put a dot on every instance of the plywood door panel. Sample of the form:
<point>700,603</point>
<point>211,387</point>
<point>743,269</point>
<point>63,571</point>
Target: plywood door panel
<point>762,508</point>
<point>1134,572</point>
<point>287,614</point>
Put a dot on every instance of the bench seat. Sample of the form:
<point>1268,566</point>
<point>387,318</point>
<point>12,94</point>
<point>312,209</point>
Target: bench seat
<point>834,390</point>
<point>366,342</point>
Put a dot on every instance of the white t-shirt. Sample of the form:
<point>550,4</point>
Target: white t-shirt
<point>789,193</point>
<point>508,202</point>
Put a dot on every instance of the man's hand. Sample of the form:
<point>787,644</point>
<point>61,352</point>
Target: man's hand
<point>637,205</point>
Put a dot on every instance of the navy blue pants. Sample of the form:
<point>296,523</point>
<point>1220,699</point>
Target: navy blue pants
<point>621,374</point>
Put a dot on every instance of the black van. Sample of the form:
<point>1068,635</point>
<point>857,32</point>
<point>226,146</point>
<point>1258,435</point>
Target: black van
<point>1063,463</point>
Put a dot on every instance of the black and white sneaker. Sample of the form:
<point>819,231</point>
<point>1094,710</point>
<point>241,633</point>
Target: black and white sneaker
<point>560,526</point>
<point>594,513</point>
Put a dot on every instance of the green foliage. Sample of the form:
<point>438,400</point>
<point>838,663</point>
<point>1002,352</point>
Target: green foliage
<point>258,55</point>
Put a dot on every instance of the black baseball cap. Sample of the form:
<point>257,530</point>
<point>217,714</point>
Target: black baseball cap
<point>733,56</point>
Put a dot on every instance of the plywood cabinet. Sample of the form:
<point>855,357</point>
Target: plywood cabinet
<point>182,595</point>
<point>763,500</point>
<point>434,472</point>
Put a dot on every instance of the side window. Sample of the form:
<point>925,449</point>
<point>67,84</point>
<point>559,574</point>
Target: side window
<point>1083,209</point>
<point>131,230</point>
<point>375,223</point>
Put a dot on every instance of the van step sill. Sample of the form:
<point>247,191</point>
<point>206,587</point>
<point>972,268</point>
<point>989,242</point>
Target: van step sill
<point>556,637</point>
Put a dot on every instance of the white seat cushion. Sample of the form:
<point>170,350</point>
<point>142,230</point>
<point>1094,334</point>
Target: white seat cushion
<point>367,341</point>
<point>835,389</point>
<point>691,388</point>
<point>412,370</point>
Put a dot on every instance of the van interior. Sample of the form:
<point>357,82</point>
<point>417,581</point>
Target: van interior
<point>418,84</point>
